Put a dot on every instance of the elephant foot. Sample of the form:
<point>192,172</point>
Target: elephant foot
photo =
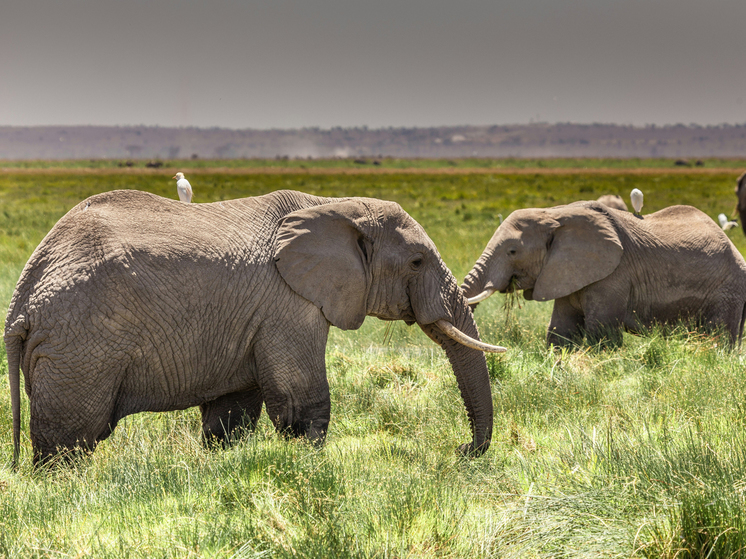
<point>468,450</point>
<point>51,458</point>
<point>313,430</point>
<point>230,418</point>
<point>224,432</point>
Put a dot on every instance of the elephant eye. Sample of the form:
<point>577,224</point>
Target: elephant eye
<point>416,263</point>
<point>511,252</point>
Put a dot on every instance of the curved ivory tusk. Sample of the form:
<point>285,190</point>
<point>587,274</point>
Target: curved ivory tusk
<point>452,332</point>
<point>481,297</point>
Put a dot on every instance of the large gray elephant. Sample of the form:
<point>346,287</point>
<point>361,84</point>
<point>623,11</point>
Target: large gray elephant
<point>741,195</point>
<point>607,269</point>
<point>135,302</point>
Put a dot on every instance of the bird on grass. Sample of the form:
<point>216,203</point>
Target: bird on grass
<point>636,198</point>
<point>183,188</point>
<point>725,224</point>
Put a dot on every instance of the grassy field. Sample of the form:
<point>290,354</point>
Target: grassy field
<point>631,452</point>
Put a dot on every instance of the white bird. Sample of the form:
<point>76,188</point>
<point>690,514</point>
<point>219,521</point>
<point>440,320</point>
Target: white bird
<point>725,224</point>
<point>183,188</point>
<point>636,198</point>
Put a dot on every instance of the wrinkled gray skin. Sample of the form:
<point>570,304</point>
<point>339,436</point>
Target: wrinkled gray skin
<point>613,201</point>
<point>135,303</point>
<point>741,204</point>
<point>607,269</point>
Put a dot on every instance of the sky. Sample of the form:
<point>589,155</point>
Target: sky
<point>326,63</point>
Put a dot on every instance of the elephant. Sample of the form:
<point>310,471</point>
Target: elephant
<point>134,302</point>
<point>741,204</point>
<point>608,270</point>
<point>613,201</point>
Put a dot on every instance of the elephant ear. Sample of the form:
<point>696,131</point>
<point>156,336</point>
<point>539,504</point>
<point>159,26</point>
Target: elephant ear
<point>324,256</point>
<point>584,249</point>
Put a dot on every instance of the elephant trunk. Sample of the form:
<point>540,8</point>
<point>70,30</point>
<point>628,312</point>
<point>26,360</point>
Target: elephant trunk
<point>470,367</point>
<point>484,279</point>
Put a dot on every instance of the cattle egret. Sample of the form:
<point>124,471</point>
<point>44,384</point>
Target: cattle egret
<point>183,188</point>
<point>636,198</point>
<point>725,224</point>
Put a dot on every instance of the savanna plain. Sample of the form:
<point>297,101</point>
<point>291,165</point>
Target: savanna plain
<point>634,451</point>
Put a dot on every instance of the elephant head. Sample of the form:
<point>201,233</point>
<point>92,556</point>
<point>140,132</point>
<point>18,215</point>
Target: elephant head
<point>359,257</point>
<point>549,253</point>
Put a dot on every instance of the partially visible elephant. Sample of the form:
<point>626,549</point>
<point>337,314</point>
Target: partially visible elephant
<point>613,201</point>
<point>741,195</point>
<point>135,303</point>
<point>607,270</point>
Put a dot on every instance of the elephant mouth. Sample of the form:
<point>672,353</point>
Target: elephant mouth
<point>514,285</point>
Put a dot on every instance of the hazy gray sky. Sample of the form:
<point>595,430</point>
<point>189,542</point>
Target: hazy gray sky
<point>296,63</point>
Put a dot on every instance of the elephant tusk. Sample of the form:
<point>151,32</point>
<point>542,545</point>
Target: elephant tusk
<point>452,332</point>
<point>481,297</point>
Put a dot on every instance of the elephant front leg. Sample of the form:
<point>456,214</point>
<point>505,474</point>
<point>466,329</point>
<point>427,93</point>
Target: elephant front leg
<point>604,316</point>
<point>291,371</point>
<point>565,326</point>
<point>230,415</point>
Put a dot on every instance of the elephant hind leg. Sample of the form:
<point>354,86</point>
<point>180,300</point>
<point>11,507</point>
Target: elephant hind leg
<point>69,414</point>
<point>227,417</point>
<point>60,440</point>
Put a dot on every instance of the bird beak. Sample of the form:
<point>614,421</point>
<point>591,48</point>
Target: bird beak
<point>173,177</point>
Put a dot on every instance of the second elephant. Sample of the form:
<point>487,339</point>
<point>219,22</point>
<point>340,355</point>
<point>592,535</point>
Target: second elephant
<point>607,270</point>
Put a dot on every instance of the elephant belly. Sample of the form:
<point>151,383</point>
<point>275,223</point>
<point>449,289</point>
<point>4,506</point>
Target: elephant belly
<point>692,310</point>
<point>154,389</point>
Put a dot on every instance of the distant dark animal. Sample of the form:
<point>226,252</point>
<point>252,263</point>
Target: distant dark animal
<point>699,163</point>
<point>613,201</point>
<point>154,164</point>
<point>741,204</point>
<point>127,163</point>
<point>682,163</point>
<point>361,161</point>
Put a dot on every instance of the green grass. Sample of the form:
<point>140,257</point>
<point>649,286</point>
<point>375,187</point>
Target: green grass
<point>636,451</point>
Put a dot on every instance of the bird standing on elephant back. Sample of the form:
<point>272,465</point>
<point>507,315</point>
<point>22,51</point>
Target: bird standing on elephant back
<point>741,195</point>
<point>135,303</point>
<point>607,270</point>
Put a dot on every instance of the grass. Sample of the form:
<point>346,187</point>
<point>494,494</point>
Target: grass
<point>636,451</point>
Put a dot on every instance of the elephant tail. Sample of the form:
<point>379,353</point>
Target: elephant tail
<point>13,345</point>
